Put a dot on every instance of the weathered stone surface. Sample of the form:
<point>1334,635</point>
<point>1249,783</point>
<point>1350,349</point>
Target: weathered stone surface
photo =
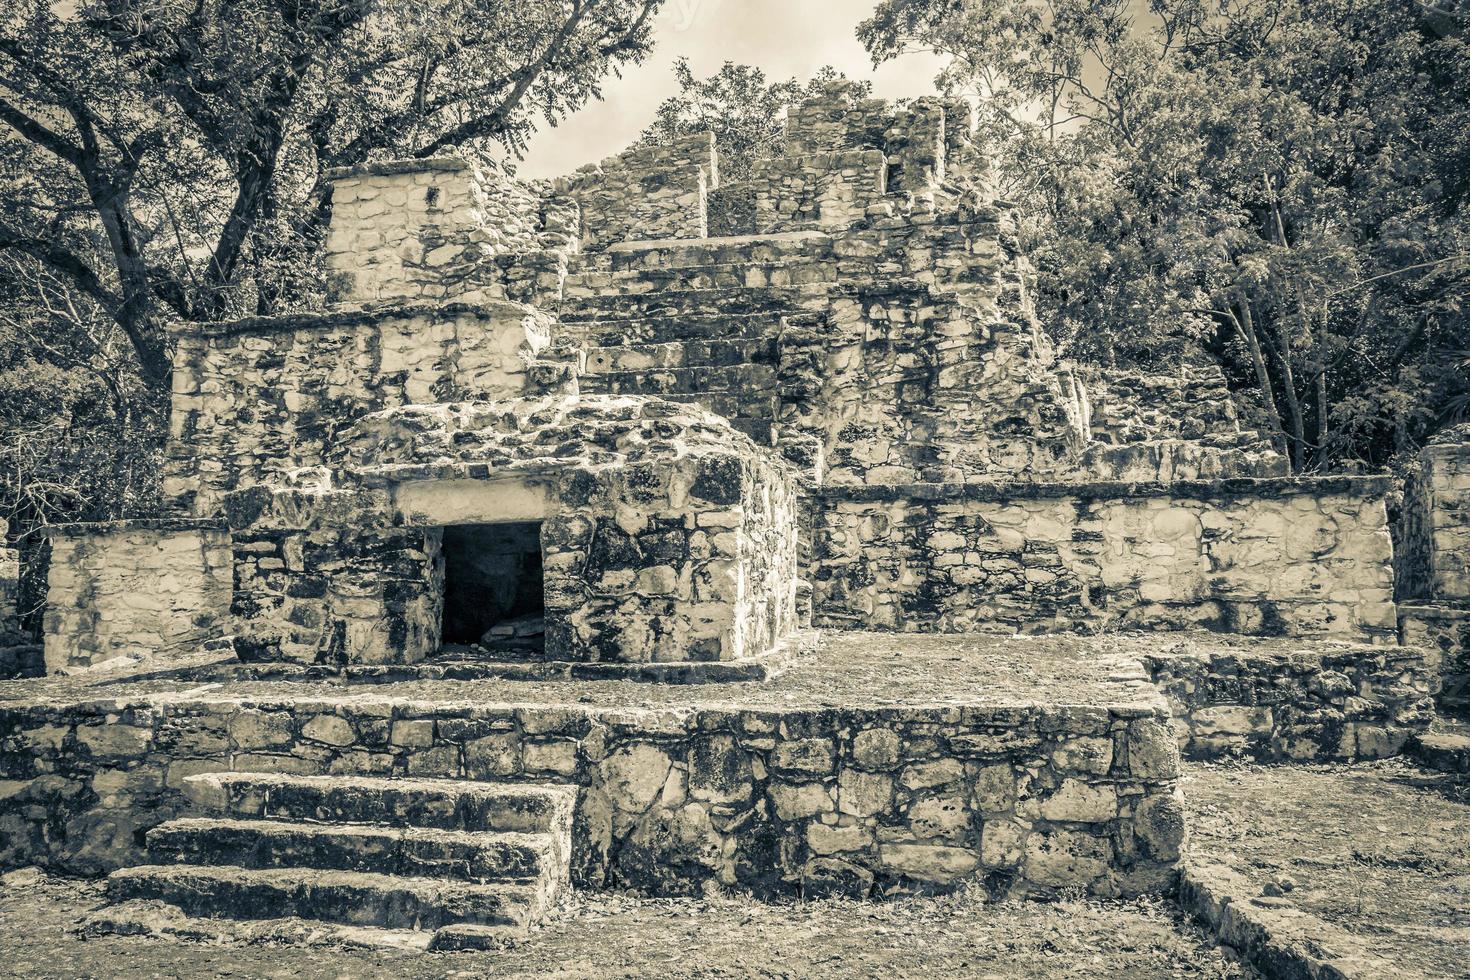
<point>668,800</point>
<point>330,729</point>
<point>139,589</point>
<point>876,748</point>
<point>863,794</point>
<point>1065,858</point>
<point>801,800</point>
<point>1080,802</point>
<point>1342,701</point>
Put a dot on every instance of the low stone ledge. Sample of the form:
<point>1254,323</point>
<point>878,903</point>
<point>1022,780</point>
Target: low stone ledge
<point>337,319</point>
<point>1444,633</point>
<point>776,802</point>
<point>1264,487</point>
<point>1332,701</point>
<point>1026,791</point>
<point>1271,933</point>
<point>391,168</point>
<point>164,525</point>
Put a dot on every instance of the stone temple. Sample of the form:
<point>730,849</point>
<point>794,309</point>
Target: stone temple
<point>641,529</point>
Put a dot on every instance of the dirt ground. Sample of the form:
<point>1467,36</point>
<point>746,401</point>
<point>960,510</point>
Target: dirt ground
<point>1381,850</point>
<point>609,936</point>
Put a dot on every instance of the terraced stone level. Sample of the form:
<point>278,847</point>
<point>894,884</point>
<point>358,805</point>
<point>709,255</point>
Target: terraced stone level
<point>713,346</point>
<point>483,860</point>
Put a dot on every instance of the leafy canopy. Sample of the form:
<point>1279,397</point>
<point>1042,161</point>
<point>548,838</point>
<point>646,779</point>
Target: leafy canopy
<point>1279,184</point>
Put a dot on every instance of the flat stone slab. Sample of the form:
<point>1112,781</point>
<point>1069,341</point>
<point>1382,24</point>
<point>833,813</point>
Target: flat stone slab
<point>1378,854</point>
<point>467,667</point>
<point>831,669</point>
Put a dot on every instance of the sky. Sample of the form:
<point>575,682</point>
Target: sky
<point>785,38</point>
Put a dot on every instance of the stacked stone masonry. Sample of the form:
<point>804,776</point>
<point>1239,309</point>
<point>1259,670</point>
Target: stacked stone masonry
<point>1344,702</point>
<point>136,590</point>
<point>842,407</point>
<point>1029,800</point>
<point>20,656</point>
<point>1433,569</point>
<point>659,540</point>
<point>1261,557</point>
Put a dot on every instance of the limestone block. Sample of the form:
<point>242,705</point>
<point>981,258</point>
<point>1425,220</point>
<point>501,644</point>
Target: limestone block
<point>863,794</point>
<point>796,802</point>
<point>826,840</point>
<point>929,862</point>
<point>1079,802</point>
<point>1065,859</point>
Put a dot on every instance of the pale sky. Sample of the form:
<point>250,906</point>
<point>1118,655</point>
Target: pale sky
<point>784,38</point>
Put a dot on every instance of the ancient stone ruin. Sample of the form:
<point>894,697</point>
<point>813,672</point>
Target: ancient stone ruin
<point>636,529</point>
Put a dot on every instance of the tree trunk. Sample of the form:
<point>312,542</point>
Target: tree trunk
<point>1245,328</point>
<point>1293,403</point>
<point>136,314</point>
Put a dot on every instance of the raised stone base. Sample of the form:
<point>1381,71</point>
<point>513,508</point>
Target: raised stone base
<point>462,665</point>
<point>1290,700</point>
<point>1443,632</point>
<point>1028,767</point>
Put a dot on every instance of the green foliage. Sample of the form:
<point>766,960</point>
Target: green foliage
<point>1280,185</point>
<point>164,160</point>
<point>744,111</point>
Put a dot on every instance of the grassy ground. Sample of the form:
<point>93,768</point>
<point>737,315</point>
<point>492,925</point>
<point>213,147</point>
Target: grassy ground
<point>607,936</point>
<point>1381,850</point>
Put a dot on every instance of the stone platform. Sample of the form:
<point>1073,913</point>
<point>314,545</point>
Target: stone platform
<point>875,763</point>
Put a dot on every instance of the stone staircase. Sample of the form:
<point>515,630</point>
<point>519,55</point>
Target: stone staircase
<point>1445,747</point>
<point>715,346</point>
<point>436,863</point>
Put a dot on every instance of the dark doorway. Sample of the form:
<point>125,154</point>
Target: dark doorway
<point>494,593</point>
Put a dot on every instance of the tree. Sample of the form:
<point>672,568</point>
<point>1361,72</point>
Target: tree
<point>1280,184</point>
<point>737,104</point>
<point>164,159</point>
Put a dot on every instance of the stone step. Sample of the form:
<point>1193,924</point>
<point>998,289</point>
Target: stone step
<point>148,917</point>
<point>687,303</point>
<point>412,851</point>
<point>1443,751</point>
<point>350,897</point>
<point>658,327</point>
<point>696,352</point>
<point>444,804</point>
<point>669,253</point>
<point>738,379</point>
<point>751,412</point>
<point>676,672</point>
<point>791,271</point>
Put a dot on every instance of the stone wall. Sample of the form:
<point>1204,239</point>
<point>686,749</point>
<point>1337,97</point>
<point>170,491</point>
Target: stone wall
<point>1020,799</point>
<point>337,594</point>
<point>647,192</point>
<point>907,348</point>
<point>138,589</point>
<point>258,398</point>
<point>665,534</point>
<point>9,582</point>
<point>1336,701</point>
<point>1192,401</point>
<point>923,142</point>
<point>1434,531</point>
<point>414,231</point>
<point>819,190</point>
<point>1443,633</point>
<point>1273,557</point>
<point>1432,571</point>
